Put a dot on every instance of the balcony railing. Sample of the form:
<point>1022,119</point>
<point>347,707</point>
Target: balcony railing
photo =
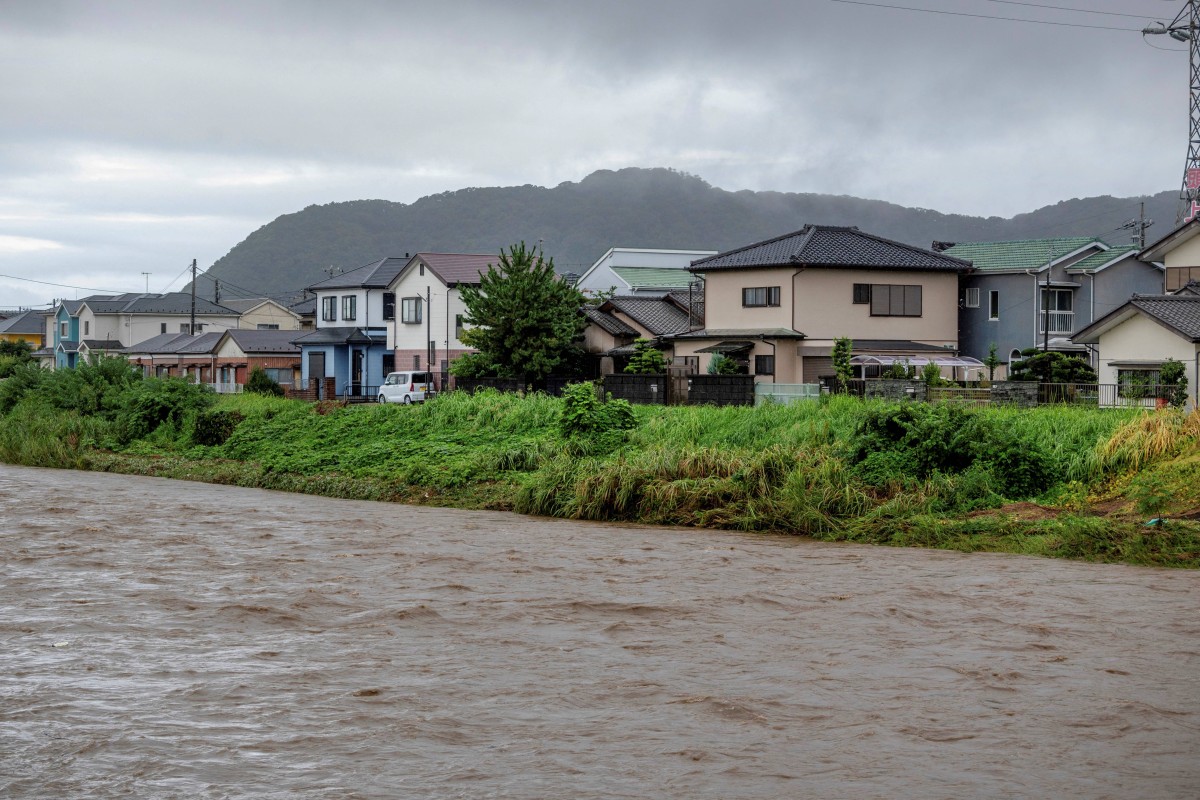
<point>1060,321</point>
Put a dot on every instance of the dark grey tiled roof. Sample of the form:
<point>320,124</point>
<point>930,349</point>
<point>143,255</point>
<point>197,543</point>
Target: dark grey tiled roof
<point>376,275</point>
<point>337,336</point>
<point>608,322</point>
<point>102,344</point>
<point>1180,312</point>
<point>656,314</point>
<point>697,300</point>
<point>830,246</point>
<point>882,345</point>
<point>25,322</point>
<point>177,344</point>
<point>170,303</point>
<point>265,341</point>
<point>1190,288</point>
<point>740,333</point>
<point>201,343</point>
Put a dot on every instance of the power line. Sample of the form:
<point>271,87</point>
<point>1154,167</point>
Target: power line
<point>1067,8</point>
<point>63,285</point>
<point>987,16</point>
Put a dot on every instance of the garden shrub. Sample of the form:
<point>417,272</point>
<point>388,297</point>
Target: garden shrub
<point>258,382</point>
<point>585,414</point>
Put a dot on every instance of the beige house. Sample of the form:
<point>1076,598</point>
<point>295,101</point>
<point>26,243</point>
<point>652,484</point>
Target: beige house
<point>1135,340</point>
<point>777,306</point>
<point>617,323</point>
<point>1179,253</point>
<point>263,314</point>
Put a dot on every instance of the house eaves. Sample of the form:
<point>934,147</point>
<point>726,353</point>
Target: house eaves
<point>1180,314</point>
<point>1156,251</point>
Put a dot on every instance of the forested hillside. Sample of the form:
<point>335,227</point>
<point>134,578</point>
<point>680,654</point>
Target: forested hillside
<point>578,222</point>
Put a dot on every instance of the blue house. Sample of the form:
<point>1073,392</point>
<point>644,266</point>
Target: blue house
<point>1038,292</point>
<point>349,343</point>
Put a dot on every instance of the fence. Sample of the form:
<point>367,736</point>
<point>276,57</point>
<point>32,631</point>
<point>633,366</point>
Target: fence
<point>785,392</point>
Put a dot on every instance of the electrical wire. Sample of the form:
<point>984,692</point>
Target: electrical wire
<point>987,16</point>
<point>1067,8</point>
<point>63,285</point>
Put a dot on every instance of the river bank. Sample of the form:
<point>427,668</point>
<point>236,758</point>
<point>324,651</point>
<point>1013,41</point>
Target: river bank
<point>1054,481</point>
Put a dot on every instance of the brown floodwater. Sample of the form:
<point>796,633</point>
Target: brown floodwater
<point>166,639</point>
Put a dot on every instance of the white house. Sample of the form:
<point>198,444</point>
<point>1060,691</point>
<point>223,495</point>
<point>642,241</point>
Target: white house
<point>424,333</point>
<point>629,271</point>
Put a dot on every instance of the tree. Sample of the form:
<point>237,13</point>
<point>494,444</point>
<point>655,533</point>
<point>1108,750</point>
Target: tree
<point>1050,367</point>
<point>992,361</point>
<point>1171,376</point>
<point>646,359</point>
<point>721,364</point>
<point>13,355</point>
<point>843,347</point>
<point>525,320</point>
<point>259,382</point>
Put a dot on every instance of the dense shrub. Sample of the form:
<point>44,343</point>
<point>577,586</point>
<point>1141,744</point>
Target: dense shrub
<point>214,426</point>
<point>158,401</point>
<point>258,382</point>
<point>584,414</point>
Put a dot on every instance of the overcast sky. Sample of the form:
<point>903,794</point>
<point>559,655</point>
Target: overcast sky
<point>138,136</point>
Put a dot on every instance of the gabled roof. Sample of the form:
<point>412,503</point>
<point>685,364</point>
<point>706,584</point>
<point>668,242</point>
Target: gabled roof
<point>106,345</point>
<point>324,336</point>
<point>455,268</point>
<point>178,303</point>
<point>740,333</point>
<point>25,322</point>
<point>1190,288</point>
<point>249,304</point>
<point>376,275</point>
<point>1106,258</point>
<point>1179,313</point>
<point>654,277</point>
<point>1156,250</point>
<point>607,322</point>
<point>177,344</point>
<point>695,299</point>
<point>831,246</point>
<point>1021,254</point>
<point>657,315</point>
<point>255,341</point>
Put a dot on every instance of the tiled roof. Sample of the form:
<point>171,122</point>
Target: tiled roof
<point>657,315</point>
<point>884,345</point>
<point>1019,254</point>
<point>25,322</point>
<point>654,277</point>
<point>264,341</point>
<point>1178,311</point>
<point>1190,288</point>
<point>201,342</point>
<point>608,322</point>
<point>177,343</point>
<point>323,336</point>
<point>830,246</point>
<point>696,299</point>
<point>102,344</point>
<point>376,275</point>
<point>1103,258</point>
<point>170,303</point>
<point>740,333</point>
<point>456,268</point>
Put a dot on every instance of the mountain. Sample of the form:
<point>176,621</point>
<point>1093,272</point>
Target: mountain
<point>578,222</point>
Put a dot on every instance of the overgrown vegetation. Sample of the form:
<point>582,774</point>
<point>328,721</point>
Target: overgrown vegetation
<point>1001,479</point>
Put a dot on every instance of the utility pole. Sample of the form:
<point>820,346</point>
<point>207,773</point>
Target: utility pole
<point>192,324</point>
<point>147,274</point>
<point>217,292</point>
<point>1186,28</point>
<point>1138,226</point>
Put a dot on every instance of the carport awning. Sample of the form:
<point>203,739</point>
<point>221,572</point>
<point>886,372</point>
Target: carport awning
<point>726,347</point>
<point>916,361</point>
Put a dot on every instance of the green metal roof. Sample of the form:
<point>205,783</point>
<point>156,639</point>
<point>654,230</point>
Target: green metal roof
<point>1022,254</point>
<point>1098,260</point>
<point>654,277</point>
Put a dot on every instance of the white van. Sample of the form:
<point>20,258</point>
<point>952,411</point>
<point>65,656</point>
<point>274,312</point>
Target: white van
<point>406,387</point>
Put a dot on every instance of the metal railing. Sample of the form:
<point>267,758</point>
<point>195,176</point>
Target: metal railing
<point>1060,321</point>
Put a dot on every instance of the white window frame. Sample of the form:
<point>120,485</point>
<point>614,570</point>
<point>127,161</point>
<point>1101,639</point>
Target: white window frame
<point>993,305</point>
<point>971,297</point>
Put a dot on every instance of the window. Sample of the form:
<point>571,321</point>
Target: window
<point>389,305</point>
<point>760,296</point>
<point>185,328</point>
<point>1056,311</point>
<point>764,365</point>
<point>329,309</point>
<point>1137,383</point>
<point>389,363</point>
<point>349,304</point>
<point>416,362</point>
<point>410,310</point>
<point>971,297</point>
<point>281,376</point>
<point>888,300</point>
<point>87,327</point>
<point>163,328</point>
<point>862,293</point>
<point>993,304</point>
<point>64,327</point>
<point>458,326</point>
<point>267,326</point>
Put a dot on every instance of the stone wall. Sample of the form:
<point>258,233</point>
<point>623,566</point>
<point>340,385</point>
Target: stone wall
<point>895,390</point>
<point>1018,393</point>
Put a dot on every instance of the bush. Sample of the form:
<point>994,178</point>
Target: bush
<point>646,360</point>
<point>158,401</point>
<point>584,414</point>
<point>258,382</point>
<point>214,427</point>
<point>723,365</point>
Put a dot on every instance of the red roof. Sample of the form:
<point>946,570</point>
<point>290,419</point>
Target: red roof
<point>456,268</point>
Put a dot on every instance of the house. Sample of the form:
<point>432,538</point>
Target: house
<point>25,326</point>
<point>424,332</point>
<point>630,271</point>
<point>106,321</point>
<point>264,314</point>
<point>777,306</point>
<point>221,359</point>
<point>356,309</point>
<point>1135,340</point>
<point>1037,292</point>
<point>1179,252</point>
<point>615,324</point>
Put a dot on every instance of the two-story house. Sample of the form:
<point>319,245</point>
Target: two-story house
<point>1037,292</point>
<point>778,305</point>
<point>104,323</point>
<point>614,325</point>
<point>1179,253</point>
<point>355,310</point>
<point>424,332</point>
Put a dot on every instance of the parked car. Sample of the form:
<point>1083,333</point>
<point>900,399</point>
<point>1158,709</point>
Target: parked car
<point>406,387</point>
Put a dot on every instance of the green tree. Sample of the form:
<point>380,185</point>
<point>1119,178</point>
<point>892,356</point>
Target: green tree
<point>1171,376</point>
<point>646,359</point>
<point>1051,367</point>
<point>525,320</point>
<point>992,361</point>
<point>13,355</point>
<point>259,382</point>
<point>721,364</point>
<point>843,347</point>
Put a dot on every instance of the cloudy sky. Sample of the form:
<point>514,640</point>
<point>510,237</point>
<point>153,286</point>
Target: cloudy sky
<point>138,136</point>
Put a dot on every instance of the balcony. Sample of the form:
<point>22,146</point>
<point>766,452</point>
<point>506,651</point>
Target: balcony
<point>1061,322</point>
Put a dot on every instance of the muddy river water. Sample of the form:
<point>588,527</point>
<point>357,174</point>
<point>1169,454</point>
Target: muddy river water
<point>166,639</point>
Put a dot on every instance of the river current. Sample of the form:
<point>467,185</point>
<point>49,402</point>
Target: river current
<point>166,639</point>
